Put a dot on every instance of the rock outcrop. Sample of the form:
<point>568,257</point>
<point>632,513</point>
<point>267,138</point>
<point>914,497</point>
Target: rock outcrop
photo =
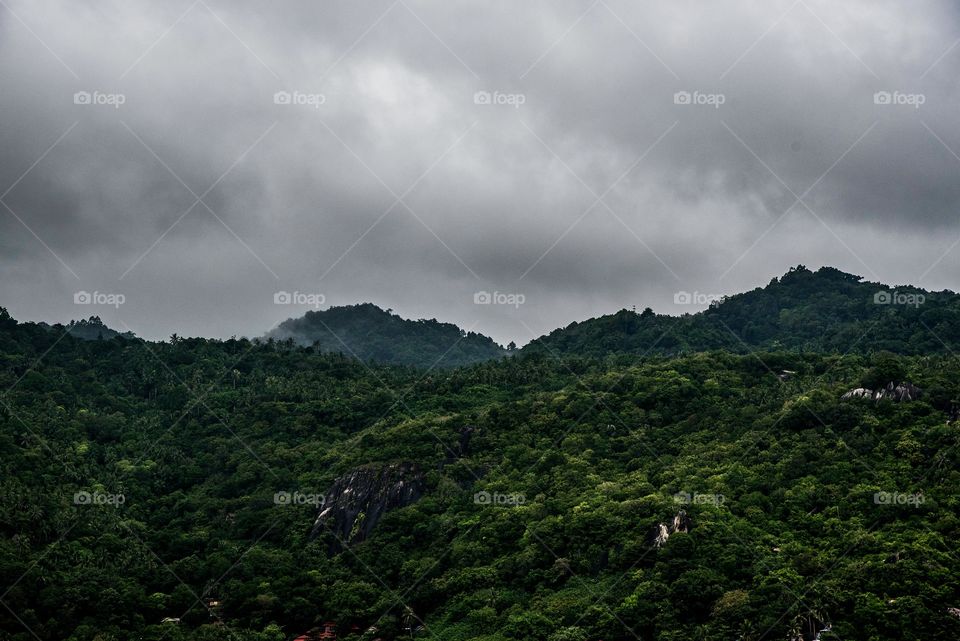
<point>897,393</point>
<point>662,531</point>
<point>459,449</point>
<point>953,414</point>
<point>357,501</point>
<point>463,443</point>
<point>809,627</point>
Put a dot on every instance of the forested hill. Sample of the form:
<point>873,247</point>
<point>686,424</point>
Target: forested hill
<point>92,329</point>
<point>823,311</point>
<point>372,334</point>
<point>195,490</point>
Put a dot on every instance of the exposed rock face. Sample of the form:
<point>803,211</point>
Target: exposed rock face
<point>897,393</point>
<point>461,448</point>
<point>463,444</point>
<point>661,534</point>
<point>356,501</point>
<point>662,531</point>
<point>954,414</point>
<point>808,627</point>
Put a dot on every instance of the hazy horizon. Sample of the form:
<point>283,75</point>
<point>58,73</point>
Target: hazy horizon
<point>697,304</point>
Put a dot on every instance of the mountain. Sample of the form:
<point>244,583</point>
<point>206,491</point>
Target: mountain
<point>199,489</point>
<point>823,311</point>
<point>91,329</point>
<point>372,334</point>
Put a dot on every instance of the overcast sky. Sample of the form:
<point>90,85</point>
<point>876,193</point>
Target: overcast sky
<point>622,152</point>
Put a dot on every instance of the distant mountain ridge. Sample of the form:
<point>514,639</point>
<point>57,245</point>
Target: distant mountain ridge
<point>91,329</point>
<point>370,333</point>
<point>826,310</point>
<point>823,311</point>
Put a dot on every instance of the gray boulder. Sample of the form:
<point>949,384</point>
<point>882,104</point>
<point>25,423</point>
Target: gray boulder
<point>357,501</point>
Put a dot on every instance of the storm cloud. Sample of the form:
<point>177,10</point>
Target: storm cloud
<point>201,156</point>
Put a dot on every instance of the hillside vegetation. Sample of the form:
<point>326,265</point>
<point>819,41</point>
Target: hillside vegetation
<point>140,482</point>
<point>823,311</point>
<point>372,334</point>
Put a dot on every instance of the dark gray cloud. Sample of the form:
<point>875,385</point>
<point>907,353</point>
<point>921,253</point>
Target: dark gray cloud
<point>598,192</point>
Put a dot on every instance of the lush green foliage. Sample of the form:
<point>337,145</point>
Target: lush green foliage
<point>372,334</point>
<point>198,435</point>
<point>826,310</point>
<point>91,329</point>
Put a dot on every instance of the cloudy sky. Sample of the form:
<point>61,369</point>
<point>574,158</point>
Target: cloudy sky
<point>198,156</point>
